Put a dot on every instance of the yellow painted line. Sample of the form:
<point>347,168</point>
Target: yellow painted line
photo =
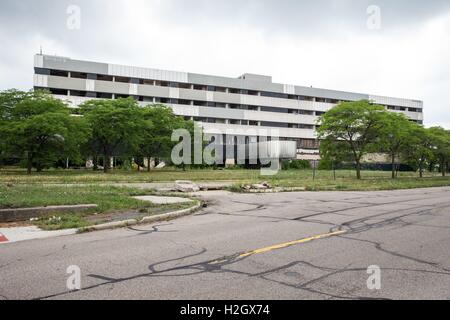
<point>292,243</point>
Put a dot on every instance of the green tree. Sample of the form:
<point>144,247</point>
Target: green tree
<point>40,129</point>
<point>440,147</point>
<point>159,123</point>
<point>395,136</point>
<point>419,150</point>
<point>355,125</point>
<point>116,127</point>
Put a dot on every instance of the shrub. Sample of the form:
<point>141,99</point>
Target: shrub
<point>296,165</point>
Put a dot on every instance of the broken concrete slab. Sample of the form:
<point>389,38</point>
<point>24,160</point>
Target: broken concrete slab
<point>163,200</point>
<point>186,186</point>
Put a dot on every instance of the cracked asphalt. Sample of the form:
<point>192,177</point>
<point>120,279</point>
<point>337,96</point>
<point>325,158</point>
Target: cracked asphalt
<point>234,250</point>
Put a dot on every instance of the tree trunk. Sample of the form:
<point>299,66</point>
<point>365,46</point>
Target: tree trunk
<point>443,168</point>
<point>358,169</point>
<point>29,164</point>
<point>149,161</point>
<point>393,165</point>
<point>95,163</point>
<point>107,164</point>
<point>421,169</point>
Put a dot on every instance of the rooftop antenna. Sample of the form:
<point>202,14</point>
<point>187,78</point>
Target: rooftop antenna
<point>40,51</point>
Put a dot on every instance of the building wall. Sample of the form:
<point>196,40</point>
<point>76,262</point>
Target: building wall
<point>249,102</point>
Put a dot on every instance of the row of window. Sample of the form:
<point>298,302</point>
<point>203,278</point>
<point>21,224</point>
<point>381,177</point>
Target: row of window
<point>307,144</point>
<point>91,76</point>
<point>253,123</point>
<point>404,109</point>
<point>100,95</point>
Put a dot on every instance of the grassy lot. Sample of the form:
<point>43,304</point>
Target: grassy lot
<point>324,180</point>
<point>110,201</point>
<point>87,187</point>
<point>291,177</point>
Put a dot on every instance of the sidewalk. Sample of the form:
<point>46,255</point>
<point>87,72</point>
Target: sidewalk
<point>10,235</point>
<point>23,233</point>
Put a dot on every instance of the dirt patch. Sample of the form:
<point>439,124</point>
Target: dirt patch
<point>15,224</point>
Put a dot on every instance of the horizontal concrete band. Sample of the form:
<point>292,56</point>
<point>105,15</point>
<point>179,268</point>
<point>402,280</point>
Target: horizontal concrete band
<point>23,214</point>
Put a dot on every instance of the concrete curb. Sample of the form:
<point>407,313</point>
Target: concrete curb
<point>274,190</point>
<point>145,220</point>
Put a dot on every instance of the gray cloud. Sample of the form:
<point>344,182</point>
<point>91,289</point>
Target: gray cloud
<point>324,43</point>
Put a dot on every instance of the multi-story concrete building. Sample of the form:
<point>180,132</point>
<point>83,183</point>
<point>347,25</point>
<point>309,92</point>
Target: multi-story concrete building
<point>218,103</point>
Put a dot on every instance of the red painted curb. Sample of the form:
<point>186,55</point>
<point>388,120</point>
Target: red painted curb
<point>3,238</point>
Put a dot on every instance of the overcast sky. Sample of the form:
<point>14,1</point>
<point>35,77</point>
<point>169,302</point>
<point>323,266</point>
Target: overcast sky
<point>322,43</point>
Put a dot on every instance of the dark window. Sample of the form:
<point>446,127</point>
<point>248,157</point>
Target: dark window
<point>102,77</point>
<point>147,82</point>
<point>200,103</point>
<point>58,73</point>
<point>307,144</point>
<point>161,83</point>
<point>42,71</point>
<point>184,85</point>
<point>122,96</point>
<point>78,75</point>
<point>123,79</point>
<point>90,94</point>
<point>306,112</point>
<point>60,92</point>
<point>306,98</point>
<point>187,102</point>
<point>220,105</point>
<point>77,93</point>
<point>275,95</point>
<point>274,124</point>
<point>92,76</point>
<point>199,87</point>
<point>273,109</point>
<point>220,89</point>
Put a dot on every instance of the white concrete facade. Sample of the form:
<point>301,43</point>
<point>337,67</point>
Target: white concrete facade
<point>217,103</point>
